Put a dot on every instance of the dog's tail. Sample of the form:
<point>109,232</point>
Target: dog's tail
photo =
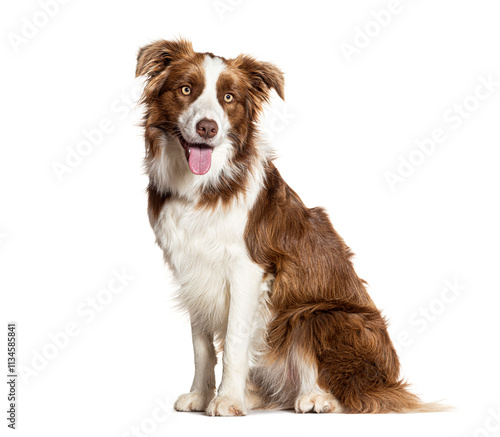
<point>354,355</point>
<point>390,398</point>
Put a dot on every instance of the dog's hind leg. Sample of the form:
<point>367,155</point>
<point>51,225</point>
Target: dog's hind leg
<point>289,382</point>
<point>354,358</point>
<point>311,398</point>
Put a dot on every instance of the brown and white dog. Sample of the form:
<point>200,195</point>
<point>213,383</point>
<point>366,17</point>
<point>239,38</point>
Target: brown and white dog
<point>261,275</point>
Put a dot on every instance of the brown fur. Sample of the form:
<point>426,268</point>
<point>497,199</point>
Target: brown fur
<point>355,358</point>
<point>320,307</point>
<point>170,64</point>
<point>167,65</point>
<point>156,200</point>
<point>300,247</point>
<point>250,82</point>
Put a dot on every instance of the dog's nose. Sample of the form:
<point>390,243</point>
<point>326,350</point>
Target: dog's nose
<point>207,128</point>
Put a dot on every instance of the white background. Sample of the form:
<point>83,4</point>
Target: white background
<point>346,122</point>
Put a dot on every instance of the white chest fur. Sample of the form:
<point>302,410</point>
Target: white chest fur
<point>203,248</point>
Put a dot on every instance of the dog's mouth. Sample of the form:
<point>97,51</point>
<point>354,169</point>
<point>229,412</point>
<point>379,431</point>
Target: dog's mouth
<point>198,155</point>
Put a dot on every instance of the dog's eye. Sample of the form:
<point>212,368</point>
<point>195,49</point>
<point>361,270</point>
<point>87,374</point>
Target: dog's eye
<point>228,98</point>
<point>186,90</point>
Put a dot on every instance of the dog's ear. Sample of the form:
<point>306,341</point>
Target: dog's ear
<point>153,60</point>
<point>262,77</point>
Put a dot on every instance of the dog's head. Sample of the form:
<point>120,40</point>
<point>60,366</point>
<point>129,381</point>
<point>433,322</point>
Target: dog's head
<point>206,105</point>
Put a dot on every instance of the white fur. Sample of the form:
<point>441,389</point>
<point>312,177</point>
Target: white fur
<point>170,171</point>
<point>203,387</point>
<point>222,289</point>
<point>206,106</point>
<point>219,285</point>
<point>317,401</point>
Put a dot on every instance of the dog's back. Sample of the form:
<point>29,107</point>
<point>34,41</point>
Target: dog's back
<point>260,273</point>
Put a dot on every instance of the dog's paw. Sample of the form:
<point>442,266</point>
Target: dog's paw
<point>317,402</point>
<point>222,406</point>
<point>194,401</point>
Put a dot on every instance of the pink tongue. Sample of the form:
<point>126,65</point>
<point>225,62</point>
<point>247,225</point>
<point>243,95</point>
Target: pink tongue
<point>200,159</point>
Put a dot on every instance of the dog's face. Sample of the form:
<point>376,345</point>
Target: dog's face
<point>207,105</point>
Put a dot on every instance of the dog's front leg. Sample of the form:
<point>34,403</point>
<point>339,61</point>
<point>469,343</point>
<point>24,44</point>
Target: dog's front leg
<point>245,286</point>
<point>203,387</point>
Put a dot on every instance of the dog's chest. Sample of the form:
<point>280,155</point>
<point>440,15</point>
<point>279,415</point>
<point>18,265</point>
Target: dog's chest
<point>201,246</point>
<point>195,237</point>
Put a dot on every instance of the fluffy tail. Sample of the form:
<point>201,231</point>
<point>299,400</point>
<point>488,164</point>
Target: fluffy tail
<point>355,358</point>
<point>389,398</point>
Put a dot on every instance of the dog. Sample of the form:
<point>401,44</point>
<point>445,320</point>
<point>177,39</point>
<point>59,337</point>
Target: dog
<point>265,279</point>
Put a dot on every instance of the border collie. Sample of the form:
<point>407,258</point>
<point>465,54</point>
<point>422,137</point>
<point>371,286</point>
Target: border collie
<point>264,279</point>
